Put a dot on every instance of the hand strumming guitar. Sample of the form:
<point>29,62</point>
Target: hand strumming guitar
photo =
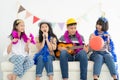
<point>86,48</point>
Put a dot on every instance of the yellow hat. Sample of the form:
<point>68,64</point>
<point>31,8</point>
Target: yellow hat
<point>70,21</point>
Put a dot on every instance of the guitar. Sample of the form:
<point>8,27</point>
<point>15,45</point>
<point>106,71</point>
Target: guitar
<point>70,48</point>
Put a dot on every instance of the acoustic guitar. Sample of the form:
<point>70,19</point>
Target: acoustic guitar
<point>70,48</point>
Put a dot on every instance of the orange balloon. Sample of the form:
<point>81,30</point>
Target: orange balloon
<point>96,43</point>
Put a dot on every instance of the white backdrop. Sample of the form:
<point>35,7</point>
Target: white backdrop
<point>58,11</point>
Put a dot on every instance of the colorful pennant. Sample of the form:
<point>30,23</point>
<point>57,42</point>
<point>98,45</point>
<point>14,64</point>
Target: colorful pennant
<point>21,8</point>
<point>35,19</point>
<point>28,14</point>
<point>61,25</point>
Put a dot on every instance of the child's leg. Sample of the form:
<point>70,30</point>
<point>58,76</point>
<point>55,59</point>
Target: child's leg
<point>49,67</point>
<point>82,58</point>
<point>37,78</point>
<point>51,77</point>
<point>95,77</point>
<point>27,64</point>
<point>18,61</point>
<point>114,76</point>
<point>14,77</point>
<point>111,65</point>
<point>98,62</point>
<point>39,67</point>
<point>9,76</point>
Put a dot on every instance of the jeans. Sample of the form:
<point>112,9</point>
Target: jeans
<point>81,56</point>
<point>100,57</point>
<point>41,64</point>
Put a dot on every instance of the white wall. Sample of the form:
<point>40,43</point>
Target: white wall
<point>56,11</point>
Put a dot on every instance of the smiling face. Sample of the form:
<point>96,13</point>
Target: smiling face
<point>99,27</point>
<point>20,27</point>
<point>71,29</point>
<point>102,24</point>
<point>44,28</point>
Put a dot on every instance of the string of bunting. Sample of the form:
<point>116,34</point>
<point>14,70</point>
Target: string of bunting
<point>28,14</point>
<point>60,24</point>
<point>35,18</point>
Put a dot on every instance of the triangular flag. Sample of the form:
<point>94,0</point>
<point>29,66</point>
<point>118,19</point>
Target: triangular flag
<point>61,25</point>
<point>21,8</point>
<point>28,14</point>
<point>35,19</point>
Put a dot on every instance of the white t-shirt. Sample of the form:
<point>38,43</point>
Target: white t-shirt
<point>19,48</point>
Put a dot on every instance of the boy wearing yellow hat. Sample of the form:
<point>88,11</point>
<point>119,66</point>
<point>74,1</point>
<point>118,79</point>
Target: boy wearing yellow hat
<point>80,54</point>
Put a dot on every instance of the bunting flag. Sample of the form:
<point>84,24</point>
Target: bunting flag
<point>61,25</point>
<point>28,14</point>
<point>21,8</point>
<point>35,19</point>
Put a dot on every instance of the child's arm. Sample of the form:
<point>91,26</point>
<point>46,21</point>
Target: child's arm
<point>9,48</point>
<point>38,44</point>
<point>10,45</point>
<point>26,47</point>
<point>53,42</point>
<point>49,44</point>
<point>108,38</point>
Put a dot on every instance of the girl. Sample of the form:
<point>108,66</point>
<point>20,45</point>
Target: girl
<point>19,50</point>
<point>46,43</point>
<point>106,54</point>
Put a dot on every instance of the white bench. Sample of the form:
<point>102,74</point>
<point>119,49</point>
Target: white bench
<point>74,71</point>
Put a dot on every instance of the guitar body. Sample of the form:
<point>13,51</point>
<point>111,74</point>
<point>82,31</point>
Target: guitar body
<point>65,45</point>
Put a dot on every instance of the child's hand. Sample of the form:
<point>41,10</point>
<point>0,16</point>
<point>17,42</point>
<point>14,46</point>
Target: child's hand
<point>26,48</point>
<point>108,37</point>
<point>45,35</point>
<point>28,42</point>
<point>53,41</point>
<point>92,35</point>
<point>15,40</point>
<point>86,48</point>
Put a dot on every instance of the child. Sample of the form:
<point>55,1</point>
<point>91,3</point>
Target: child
<point>80,54</point>
<point>46,44</point>
<point>19,50</point>
<point>106,54</point>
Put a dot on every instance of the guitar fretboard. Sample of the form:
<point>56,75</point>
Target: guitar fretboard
<point>76,47</point>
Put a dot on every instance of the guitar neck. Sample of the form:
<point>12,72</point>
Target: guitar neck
<point>77,47</point>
